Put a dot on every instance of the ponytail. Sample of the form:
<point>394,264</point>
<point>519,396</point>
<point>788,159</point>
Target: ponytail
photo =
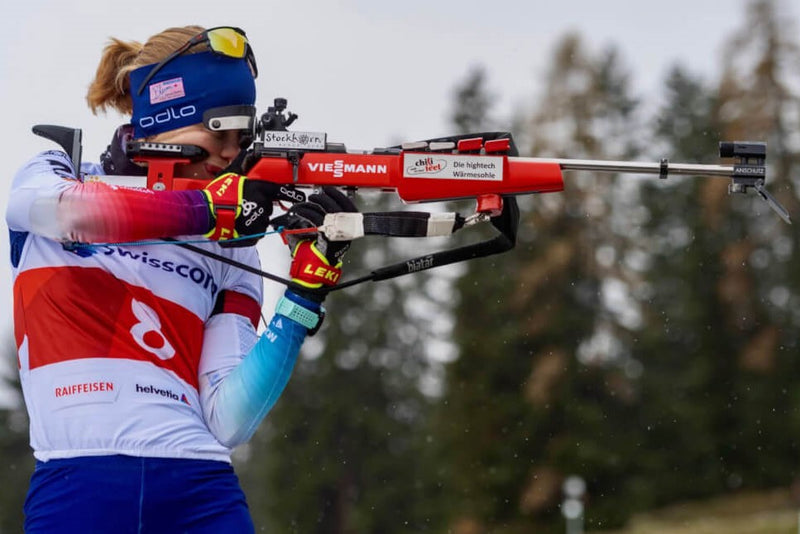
<point>111,85</point>
<point>110,88</point>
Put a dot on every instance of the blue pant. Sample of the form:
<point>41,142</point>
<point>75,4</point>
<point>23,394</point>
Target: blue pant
<point>125,494</point>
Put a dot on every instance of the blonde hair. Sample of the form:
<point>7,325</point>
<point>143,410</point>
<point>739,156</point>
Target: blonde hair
<point>111,85</point>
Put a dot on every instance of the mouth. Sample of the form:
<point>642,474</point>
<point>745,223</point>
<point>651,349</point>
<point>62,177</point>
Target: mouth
<point>212,170</point>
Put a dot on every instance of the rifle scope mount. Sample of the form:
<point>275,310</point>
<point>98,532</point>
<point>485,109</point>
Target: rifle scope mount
<point>274,119</point>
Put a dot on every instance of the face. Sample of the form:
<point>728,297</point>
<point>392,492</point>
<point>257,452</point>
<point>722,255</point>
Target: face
<point>222,147</point>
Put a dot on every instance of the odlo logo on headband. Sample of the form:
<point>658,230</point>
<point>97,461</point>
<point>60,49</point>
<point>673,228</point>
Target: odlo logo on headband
<point>167,115</point>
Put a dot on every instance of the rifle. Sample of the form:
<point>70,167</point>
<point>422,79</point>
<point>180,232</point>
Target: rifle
<point>482,166</point>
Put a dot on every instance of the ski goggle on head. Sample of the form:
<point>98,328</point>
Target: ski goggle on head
<point>223,40</point>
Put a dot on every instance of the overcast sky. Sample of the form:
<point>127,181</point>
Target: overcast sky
<point>368,72</point>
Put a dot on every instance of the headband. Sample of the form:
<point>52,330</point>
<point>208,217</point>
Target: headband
<point>185,88</point>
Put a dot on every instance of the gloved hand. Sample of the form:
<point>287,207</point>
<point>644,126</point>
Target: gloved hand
<point>316,261</point>
<point>241,207</point>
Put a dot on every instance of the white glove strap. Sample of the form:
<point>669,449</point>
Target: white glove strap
<point>343,226</point>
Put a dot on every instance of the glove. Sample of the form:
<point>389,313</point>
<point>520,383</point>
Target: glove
<point>241,207</point>
<point>315,263</point>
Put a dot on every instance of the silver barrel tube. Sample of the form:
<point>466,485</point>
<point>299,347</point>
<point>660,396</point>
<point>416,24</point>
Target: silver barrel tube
<point>695,169</point>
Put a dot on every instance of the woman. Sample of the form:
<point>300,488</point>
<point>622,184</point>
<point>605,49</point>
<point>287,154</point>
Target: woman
<point>141,366</point>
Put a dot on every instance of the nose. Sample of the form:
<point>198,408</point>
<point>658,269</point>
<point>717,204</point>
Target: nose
<point>230,145</point>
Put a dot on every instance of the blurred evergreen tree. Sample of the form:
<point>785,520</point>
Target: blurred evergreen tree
<point>537,392</point>
<point>720,301</point>
<point>17,458</point>
<point>473,102</point>
<point>759,286</point>
<point>344,450</point>
<point>685,377</point>
<point>642,338</point>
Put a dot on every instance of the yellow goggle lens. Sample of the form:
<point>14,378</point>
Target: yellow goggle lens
<point>227,41</point>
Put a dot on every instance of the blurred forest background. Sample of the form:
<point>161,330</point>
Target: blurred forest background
<point>643,335</point>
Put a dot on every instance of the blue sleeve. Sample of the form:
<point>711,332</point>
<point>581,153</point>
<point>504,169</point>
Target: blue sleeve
<point>245,396</point>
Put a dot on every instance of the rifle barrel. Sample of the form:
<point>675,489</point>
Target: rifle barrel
<point>694,169</point>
